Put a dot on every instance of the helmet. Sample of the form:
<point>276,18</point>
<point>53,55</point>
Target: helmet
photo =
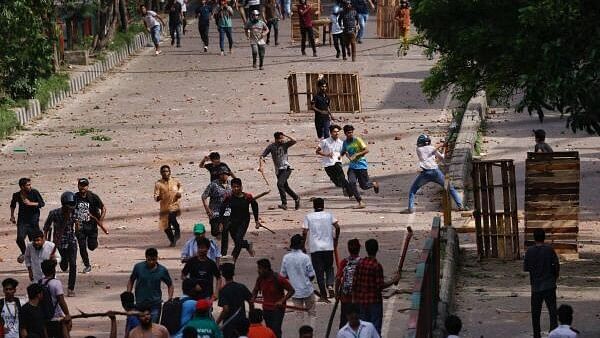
<point>423,140</point>
<point>255,12</point>
<point>335,9</point>
<point>67,199</point>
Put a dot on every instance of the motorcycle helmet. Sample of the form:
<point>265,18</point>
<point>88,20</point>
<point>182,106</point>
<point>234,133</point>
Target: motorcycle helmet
<point>423,140</point>
<point>67,199</point>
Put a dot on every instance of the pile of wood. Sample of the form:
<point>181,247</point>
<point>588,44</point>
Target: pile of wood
<point>342,88</point>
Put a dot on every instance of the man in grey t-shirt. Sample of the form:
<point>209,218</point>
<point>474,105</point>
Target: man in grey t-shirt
<point>283,169</point>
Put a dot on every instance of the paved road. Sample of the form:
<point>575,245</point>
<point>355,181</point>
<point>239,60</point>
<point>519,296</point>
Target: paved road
<point>174,108</point>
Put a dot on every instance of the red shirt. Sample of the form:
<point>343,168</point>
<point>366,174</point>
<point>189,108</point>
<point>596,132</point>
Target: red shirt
<point>270,291</point>
<point>367,283</point>
<point>260,331</point>
<point>306,16</point>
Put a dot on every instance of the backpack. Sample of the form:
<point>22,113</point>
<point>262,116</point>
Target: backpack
<point>171,314</point>
<point>348,275</point>
<point>48,307</point>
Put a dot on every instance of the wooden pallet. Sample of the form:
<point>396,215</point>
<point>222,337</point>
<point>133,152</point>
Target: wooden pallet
<point>295,21</point>
<point>343,90</point>
<point>496,219</point>
<point>387,27</point>
<point>552,198</point>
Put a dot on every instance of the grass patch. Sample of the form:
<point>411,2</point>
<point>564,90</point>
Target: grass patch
<point>85,131</point>
<point>8,121</point>
<point>122,39</point>
<point>53,84</point>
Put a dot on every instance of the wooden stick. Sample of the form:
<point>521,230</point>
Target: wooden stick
<point>104,314</point>
<point>287,306</point>
<point>409,234</point>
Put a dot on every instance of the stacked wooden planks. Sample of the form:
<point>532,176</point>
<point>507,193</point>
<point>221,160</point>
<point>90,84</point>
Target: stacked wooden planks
<point>552,198</point>
<point>496,218</point>
<point>387,27</point>
<point>342,88</point>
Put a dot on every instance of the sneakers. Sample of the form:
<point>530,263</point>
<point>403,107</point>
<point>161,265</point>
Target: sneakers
<point>330,291</point>
<point>87,269</point>
<point>376,187</point>
<point>205,49</point>
<point>297,204</point>
<point>251,249</point>
<point>70,293</point>
<point>360,205</point>
<point>21,259</point>
<point>408,211</point>
<point>222,53</point>
<point>158,52</point>
<point>282,206</point>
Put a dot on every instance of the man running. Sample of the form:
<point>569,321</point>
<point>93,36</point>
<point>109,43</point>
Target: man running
<point>175,21</point>
<point>216,191</point>
<point>356,149</point>
<point>63,224</point>
<point>362,8</point>
<point>152,22</point>
<point>235,208</point>
<point>283,169</point>
<point>38,251</point>
<point>215,165</point>
<point>90,212</point>
<point>330,150</point>
<point>203,13</point>
<point>306,14</point>
<point>322,231</point>
<point>255,30</point>
<point>28,218</point>
<point>272,14</point>
<point>348,20</point>
<point>168,192</point>
<point>297,267</point>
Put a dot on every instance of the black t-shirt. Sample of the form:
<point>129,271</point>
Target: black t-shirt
<point>234,295</point>
<point>175,13</point>
<point>321,102</point>
<point>238,208</point>
<point>204,272</point>
<point>32,319</point>
<point>214,169</point>
<point>27,214</point>
<point>90,204</point>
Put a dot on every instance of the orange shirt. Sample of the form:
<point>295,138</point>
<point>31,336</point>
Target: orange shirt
<point>403,17</point>
<point>260,331</point>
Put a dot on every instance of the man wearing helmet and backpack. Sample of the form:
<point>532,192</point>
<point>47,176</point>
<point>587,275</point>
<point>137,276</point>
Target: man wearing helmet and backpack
<point>63,224</point>
<point>430,171</point>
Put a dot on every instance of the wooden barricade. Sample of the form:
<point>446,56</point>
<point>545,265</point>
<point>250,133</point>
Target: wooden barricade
<point>387,27</point>
<point>295,20</point>
<point>552,199</point>
<point>497,229</point>
<point>343,90</point>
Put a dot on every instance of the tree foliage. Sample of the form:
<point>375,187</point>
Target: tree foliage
<point>545,53</point>
<point>26,46</point>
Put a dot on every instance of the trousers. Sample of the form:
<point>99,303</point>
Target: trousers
<point>362,177</point>
<point>282,185</point>
<point>426,176</point>
<point>537,298</point>
<point>322,261</point>
<point>69,261</point>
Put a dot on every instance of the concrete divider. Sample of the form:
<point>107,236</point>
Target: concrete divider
<point>80,80</point>
<point>447,281</point>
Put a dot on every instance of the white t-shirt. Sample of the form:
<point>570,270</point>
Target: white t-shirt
<point>56,290</point>
<point>35,257</point>
<point>10,316</point>
<point>320,230</point>
<point>298,268</point>
<point>183,5</point>
<point>427,157</point>
<point>331,146</point>
<point>365,330</point>
<point>150,19</point>
<point>562,331</point>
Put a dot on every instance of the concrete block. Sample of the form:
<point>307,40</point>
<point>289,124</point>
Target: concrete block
<point>77,57</point>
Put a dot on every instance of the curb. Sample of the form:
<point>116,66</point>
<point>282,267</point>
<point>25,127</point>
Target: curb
<point>78,81</point>
<point>447,282</point>
<point>459,169</point>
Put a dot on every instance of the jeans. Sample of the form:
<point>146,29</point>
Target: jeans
<point>258,50</point>
<point>362,177</point>
<point>350,42</point>
<point>172,231</point>
<point>372,313</point>
<point>222,32</point>
<point>203,30</point>
<point>282,185</point>
<point>155,311</point>
<point>286,8</point>
<point>155,34</point>
<point>322,261</point>
<point>24,230</point>
<point>362,25</point>
<point>273,26</point>
<point>426,176</point>
<point>274,319</point>
<point>336,175</point>
<point>537,298</point>
<point>69,261</point>
<point>87,238</point>
<point>237,231</point>
<point>307,31</point>
<point>175,30</point>
<point>338,42</point>
<point>322,126</point>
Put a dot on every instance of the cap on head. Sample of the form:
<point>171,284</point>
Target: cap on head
<point>83,181</point>
<point>203,305</point>
<point>423,140</point>
<point>255,12</point>
<point>199,228</point>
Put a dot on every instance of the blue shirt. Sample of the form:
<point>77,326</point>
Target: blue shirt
<point>352,147</point>
<point>298,268</point>
<point>190,249</point>
<point>188,308</point>
<point>147,283</point>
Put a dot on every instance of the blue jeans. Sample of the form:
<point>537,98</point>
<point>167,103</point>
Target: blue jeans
<point>372,313</point>
<point>426,176</point>
<point>155,34</point>
<point>362,177</point>
<point>155,312</point>
<point>362,25</point>
<point>222,32</point>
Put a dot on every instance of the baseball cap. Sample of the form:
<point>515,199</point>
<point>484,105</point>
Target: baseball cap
<point>83,181</point>
<point>203,304</point>
<point>199,228</point>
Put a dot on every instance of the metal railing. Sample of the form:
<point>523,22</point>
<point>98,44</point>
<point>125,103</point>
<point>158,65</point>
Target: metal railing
<point>425,295</point>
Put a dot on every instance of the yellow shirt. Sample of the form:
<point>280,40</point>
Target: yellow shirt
<point>167,190</point>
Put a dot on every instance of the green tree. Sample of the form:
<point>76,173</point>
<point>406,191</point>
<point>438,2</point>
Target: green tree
<point>544,53</point>
<point>26,48</point>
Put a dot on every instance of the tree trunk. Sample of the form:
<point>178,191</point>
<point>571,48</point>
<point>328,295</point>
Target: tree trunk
<point>107,23</point>
<point>123,18</point>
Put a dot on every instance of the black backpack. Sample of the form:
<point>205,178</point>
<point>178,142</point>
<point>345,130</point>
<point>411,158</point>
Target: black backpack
<point>47,305</point>
<point>171,314</point>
